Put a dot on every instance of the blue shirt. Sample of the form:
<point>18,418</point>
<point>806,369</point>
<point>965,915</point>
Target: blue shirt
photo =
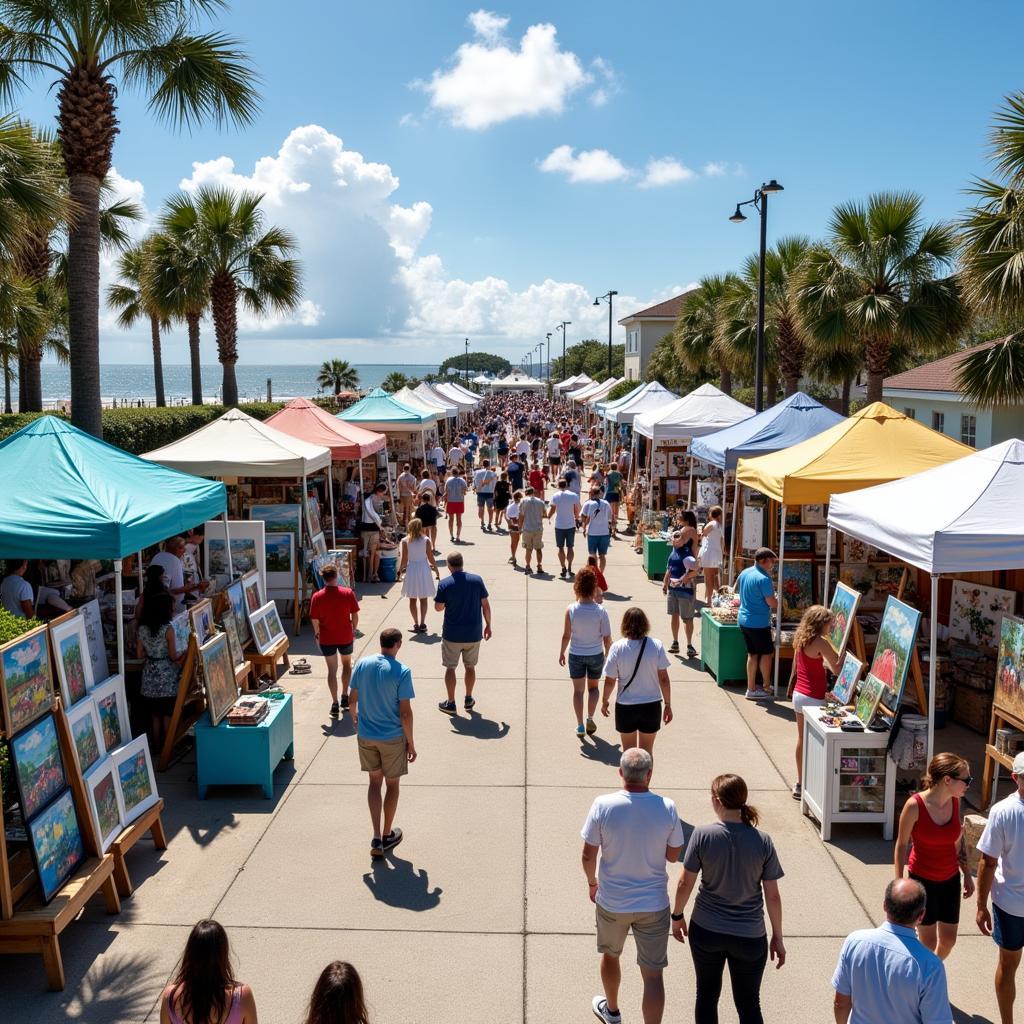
<point>892,978</point>
<point>461,594</point>
<point>381,683</point>
<point>754,585</point>
<point>679,564</point>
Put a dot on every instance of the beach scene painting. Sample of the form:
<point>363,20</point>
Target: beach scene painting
<point>26,686</point>
<point>86,734</point>
<point>56,841</point>
<point>38,765</point>
<point>218,677</point>
<point>106,814</point>
<point>844,610</point>
<point>895,646</point>
<point>975,612</point>
<point>845,685</point>
<point>1009,694</point>
<point>134,780</point>
<point>74,666</point>
<point>112,709</point>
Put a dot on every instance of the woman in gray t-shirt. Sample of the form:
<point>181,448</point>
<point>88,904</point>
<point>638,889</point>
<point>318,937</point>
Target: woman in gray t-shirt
<point>739,877</point>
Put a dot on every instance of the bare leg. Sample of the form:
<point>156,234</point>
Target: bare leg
<point>711,584</point>
<point>653,1004</point>
<point>592,694</point>
<point>675,627</point>
<point>470,680</point>
<point>391,794</point>
<point>751,671</point>
<point>332,676</point>
<point>561,557</point>
<point>611,978</point>
<point>928,934</point>
<point>577,699</point>
<point>1006,985</point>
<point>373,798</point>
<point>346,673</point>
<point>688,630</point>
<point>800,763</point>
<point>627,740</point>
<point>766,661</point>
<point>423,611</point>
<point>646,741</point>
<point>569,552</point>
<point>449,682</point>
<point>947,940</point>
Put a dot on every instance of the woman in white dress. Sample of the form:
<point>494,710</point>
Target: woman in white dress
<point>417,563</point>
<point>711,553</point>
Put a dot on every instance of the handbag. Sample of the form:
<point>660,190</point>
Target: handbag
<point>636,667</point>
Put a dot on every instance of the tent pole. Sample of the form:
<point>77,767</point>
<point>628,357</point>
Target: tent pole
<point>828,562</point>
<point>138,563</point>
<point>689,487</point>
<point>778,612</point>
<point>119,617</point>
<point>362,485</point>
<point>732,536</point>
<point>330,498</point>
<point>227,546</point>
<point>933,631</point>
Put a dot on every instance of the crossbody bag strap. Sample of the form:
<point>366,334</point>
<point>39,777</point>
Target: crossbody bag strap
<point>636,667</point>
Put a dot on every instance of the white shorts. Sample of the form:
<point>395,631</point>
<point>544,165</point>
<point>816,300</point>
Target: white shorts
<point>801,701</point>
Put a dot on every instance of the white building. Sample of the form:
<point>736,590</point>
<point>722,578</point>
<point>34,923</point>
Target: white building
<point>645,329</point>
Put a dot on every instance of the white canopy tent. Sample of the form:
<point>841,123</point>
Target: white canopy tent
<point>465,400</point>
<point>429,405</point>
<point>481,379</point>
<point>651,397</point>
<point>601,394</point>
<point>518,382</point>
<point>963,516</point>
<point>461,402</point>
<point>459,388</point>
<point>703,411</point>
<point>589,390</point>
<point>573,382</point>
<point>427,393</point>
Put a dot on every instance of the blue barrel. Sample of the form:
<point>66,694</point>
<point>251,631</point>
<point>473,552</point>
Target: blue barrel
<point>389,566</point>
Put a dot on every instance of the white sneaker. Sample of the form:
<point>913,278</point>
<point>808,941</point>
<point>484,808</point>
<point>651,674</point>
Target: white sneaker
<point>601,1012</point>
<point>758,695</point>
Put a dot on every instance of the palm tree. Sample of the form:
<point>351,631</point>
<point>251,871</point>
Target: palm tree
<point>700,346</point>
<point>394,381</point>
<point>224,242</point>
<point>19,312</point>
<point>879,283</point>
<point>135,301</point>
<point>94,50</point>
<point>338,374</point>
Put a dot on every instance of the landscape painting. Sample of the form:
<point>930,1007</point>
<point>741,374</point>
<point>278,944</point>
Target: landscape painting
<point>230,625</point>
<point>1009,695</point>
<point>106,814</point>
<point>112,709</point>
<point>279,519</point>
<point>799,542</point>
<point>248,553</point>
<point>797,589</point>
<point>280,560</point>
<point>845,685</point>
<point>253,592</point>
<point>975,612</point>
<point>201,615</point>
<point>875,583</point>
<point>86,736</point>
<point>74,666</point>
<point>895,645</point>
<point>26,686</point>
<point>56,841</point>
<point>260,629</point>
<point>182,626</point>
<point>38,765</point>
<point>844,610</point>
<point>218,677</point>
<point>136,784</point>
<point>273,621</point>
<point>236,595</point>
<point>868,698</point>
<point>313,515</point>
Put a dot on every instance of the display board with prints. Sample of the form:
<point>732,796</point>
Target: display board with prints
<point>248,551</point>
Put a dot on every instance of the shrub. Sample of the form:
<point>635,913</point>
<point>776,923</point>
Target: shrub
<point>10,423</point>
<point>142,430</point>
<point>620,390</point>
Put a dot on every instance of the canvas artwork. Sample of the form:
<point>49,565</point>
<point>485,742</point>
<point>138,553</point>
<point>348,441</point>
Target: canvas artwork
<point>134,780</point>
<point>106,814</point>
<point>1009,695</point>
<point>236,596</point>
<point>230,624</point>
<point>313,515</point>
<point>857,551</point>
<point>86,734</point>
<point>253,592</point>
<point>792,516</point>
<point>201,615</point>
<point>868,698</point>
<point>875,583</point>
<point>846,682</point>
<point>38,765</point>
<point>280,560</point>
<point>895,646</point>
<point>279,519</point>
<point>797,590</point>
<point>248,550</point>
<point>709,493</point>
<point>274,623</point>
<point>833,580</point>
<point>182,626</point>
<point>218,676</point>
<point>261,629</point>
<point>975,612</point>
<point>753,527</point>
<point>319,544</point>
<point>799,542</point>
<point>71,654</point>
<point>26,686</point>
<point>821,543</point>
<point>815,515</point>
<point>56,841</point>
<point>112,709</point>
<point>90,613</point>
<point>844,610</point>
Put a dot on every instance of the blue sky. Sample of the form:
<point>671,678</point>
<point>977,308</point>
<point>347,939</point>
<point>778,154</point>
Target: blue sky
<point>833,100</point>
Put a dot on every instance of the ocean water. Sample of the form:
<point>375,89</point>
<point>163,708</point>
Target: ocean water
<point>132,382</point>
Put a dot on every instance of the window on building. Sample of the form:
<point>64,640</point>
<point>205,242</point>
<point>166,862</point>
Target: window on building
<point>968,429</point>
<point>910,413</point>
<point>939,422</point>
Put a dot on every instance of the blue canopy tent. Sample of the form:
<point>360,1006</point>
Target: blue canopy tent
<point>69,495</point>
<point>786,423</point>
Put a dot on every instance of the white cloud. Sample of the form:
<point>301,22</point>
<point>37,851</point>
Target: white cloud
<point>489,81</point>
<point>589,165</point>
<point>609,82</point>
<point>665,171</point>
<point>715,168</point>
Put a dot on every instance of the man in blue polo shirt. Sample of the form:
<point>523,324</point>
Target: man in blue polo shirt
<point>757,601</point>
<point>467,617</point>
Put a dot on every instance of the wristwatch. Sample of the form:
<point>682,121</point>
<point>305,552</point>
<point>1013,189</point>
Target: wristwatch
<point>678,917</point>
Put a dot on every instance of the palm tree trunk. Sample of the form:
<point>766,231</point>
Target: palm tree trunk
<point>771,380</point>
<point>792,384</point>
<point>847,387</point>
<point>876,365</point>
<point>224,303</point>
<point>158,366</point>
<point>32,381</point>
<point>22,373</point>
<point>7,385</point>
<point>192,319</point>
<point>725,379</point>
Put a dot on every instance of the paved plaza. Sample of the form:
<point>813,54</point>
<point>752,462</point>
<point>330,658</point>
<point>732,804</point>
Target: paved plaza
<point>481,915</point>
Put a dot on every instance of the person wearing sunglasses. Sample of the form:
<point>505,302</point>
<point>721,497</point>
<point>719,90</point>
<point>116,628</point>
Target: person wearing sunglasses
<point>931,820</point>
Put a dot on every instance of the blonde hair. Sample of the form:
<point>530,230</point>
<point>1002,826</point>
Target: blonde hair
<point>414,530</point>
<point>815,623</point>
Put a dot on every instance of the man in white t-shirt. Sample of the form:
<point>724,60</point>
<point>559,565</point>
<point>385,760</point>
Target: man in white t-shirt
<point>597,519</point>
<point>174,572</point>
<point>637,833</point>
<point>437,459</point>
<point>1001,872</point>
<point>456,454</point>
<point>554,446</point>
<point>565,508</point>
<point>523,448</point>
<point>484,482</point>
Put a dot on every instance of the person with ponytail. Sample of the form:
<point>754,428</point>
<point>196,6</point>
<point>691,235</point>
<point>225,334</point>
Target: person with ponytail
<point>338,997</point>
<point>739,877</point>
<point>931,821</point>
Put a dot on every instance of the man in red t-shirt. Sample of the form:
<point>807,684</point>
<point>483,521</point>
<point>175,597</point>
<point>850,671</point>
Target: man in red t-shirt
<point>334,612</point>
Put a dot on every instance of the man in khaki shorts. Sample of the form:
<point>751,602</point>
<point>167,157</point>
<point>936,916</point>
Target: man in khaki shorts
<point>381,706</point>
<point>531,522</point>
<point>636,832</point>
<point>467,618</point>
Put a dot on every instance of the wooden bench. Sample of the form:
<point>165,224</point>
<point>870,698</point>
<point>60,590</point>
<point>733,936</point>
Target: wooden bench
<point>266,664</point>
<point>36,927</point>
<point>148,822</point>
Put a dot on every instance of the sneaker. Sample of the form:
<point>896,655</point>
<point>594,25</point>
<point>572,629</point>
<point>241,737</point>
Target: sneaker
<point>601,1011</point>
<point>469,703</point>
<point>392,839</point>
<point>447,707</point>
<point>674,648</point>
<point>376,848</point>
<point>344,702</point>
<point>334,709</point>
<point>562,574</point>
<point>691,651</point>
<point>529,571</point>
<point>580,731</point>
<point>757,695</point>
<point>591,727</point>
<point>796,792</point>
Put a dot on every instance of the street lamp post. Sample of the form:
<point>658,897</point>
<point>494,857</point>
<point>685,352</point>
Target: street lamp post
<point>467,360</point>
<point>607,297</point>
<point>760,203</point>
<point>549,359</point>
<point>561,327</point>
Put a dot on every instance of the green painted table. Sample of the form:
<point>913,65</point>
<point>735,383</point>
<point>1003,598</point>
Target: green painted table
<point>655,556</point>
<point>722,650</point>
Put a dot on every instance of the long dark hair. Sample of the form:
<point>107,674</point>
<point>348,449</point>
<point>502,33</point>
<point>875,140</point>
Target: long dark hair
<point>337,996</point>
<point>157,611</point>
<point>731,792</point>
<point>205,980</point>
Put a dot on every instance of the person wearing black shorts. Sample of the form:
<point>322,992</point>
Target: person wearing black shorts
<point>757,602</point>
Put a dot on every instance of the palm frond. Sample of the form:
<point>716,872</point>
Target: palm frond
<point>994,376</point>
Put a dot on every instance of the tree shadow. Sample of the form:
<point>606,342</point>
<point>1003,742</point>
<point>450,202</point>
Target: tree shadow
<point>594,748</point>
<point>472,723</point>
<point>397,883</point>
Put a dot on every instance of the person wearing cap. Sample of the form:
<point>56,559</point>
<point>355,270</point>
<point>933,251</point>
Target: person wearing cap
<point>757,602</point>
<point>1001,874</point>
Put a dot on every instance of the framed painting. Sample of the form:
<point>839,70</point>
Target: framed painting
<point>260,628</point>
<point>844,610</point>
<point>253,591</point>
<point>857,551</point>
<point>236,597</point>
<point>248,550</point>
<point>86,734</point>
<point>201,617</point>
<point>821,544</point>
<point>833,578</point>
<point>56,841</point>
<point>799,542</point>
<point>895,645</point>
<point>218,676</point>
<point>182,626</point>
<point>975,612</point>
<point>279,519</point>
<point>112,709</point>
<point>709,493</point>
<point>26,685</point>
<point>38,765</point>
<point>106,815</point>
<point>90,613</point>
<point>845,685</point>
<point>312,515</point>
<point>875,583</point>
<point>797,589</point>
<point>868,699</point>
<point>792,516</point>
<point>134,781</point>
<point>71,656</point>
<point>234,634</point>
<point>280,560</point>
<point>814,515</point>
<point>1009,693</point>
<point>753,527</point>
<point>319,544</point>
<point>273,620</point>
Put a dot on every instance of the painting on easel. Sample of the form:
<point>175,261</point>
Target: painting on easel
<point>1009,695</point>
<point>894,649</point>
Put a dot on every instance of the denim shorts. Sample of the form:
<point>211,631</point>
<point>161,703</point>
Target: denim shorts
<point>565,538</point>
<point>598,545</point>
<point>484,498</point>
<point>589,665</point>
<point>1007,930</point>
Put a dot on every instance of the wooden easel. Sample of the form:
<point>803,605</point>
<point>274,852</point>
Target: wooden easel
<point>189,704</point>
<point>993,758</point>
<point>267,663</point>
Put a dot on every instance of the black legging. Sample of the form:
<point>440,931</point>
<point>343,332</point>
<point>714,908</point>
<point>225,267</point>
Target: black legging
<point>746,958</point>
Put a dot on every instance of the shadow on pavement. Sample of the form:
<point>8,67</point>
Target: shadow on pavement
<point>472,723</point>
<point>963,1017</point>
<point>397,883</point>
<point>593,748</point>
<point>340,726</point>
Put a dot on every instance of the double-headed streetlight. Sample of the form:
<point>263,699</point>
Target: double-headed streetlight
<point>760,203</point>
<point>539,349</point>
<point>549,358</point>
<point>561,327</point>
<point>607,297</point>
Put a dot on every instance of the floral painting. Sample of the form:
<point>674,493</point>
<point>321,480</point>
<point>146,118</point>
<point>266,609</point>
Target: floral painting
<point>1009,694</point>
<point>797,590</point>
<point>975,612</point>
<point>38,765</point>
<point>56,841</point>
<point>844,610</point>
<point>895,645</point>
<point>112,709</point>
<point>857,551</point>
<point>71,667</point>
<point>27,687</point>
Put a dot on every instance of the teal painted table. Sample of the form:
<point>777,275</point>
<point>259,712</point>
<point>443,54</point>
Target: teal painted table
<point>722,650</point>
<point>240,754</point>
<point>655,556</point>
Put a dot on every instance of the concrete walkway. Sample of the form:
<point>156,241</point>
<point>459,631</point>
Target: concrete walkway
<point>482,913</point>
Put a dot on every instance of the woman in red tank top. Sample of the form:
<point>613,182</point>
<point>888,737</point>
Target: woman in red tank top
<point>931,820</point>
<point>811,654</point>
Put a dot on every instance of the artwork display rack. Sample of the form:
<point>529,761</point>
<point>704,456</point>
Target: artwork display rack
<point>996,759</point>
<point>189,704</point>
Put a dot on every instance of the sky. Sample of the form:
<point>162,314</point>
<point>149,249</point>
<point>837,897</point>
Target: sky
<point>452,171</point>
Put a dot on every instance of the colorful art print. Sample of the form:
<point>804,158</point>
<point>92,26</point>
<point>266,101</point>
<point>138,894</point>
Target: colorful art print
<point>279,519</point>
<point>112,709</point>
<point>261,628</point>
<point>875,583</point>
<point>815,514</point>
<point>243,557</point>
<point>38,765</point>
<point>659,465</point>
<point>709,492</point>
<point>833,578</point>
<point>792,515</point>
<point>313,514</point>
<point>134,780</point>
<point>797,589</point>
<point>26,686</point>
<point>201,617</point>
<point>1009,693</point>
<point>253,592</point>
<point>848,764</point>
<point>753,527</point>
<point>71,656</point>
<point>844,611</point>
<point>868,699</point>
<point>280,549</point>
<point>678,463</point>
<point>90,613</point>
<point>855,550</point>
<point>319,544</point>
<point>236,598</point>
<point>86,734</point>
<point>182,626</point>
<point>106,814</point>
<point>799,542</point>
<point>56,841</point>
<point>895,646</point>
<point>232,628</point>
<point>845,685</point>
<point>975,612</point>
<point>273,621</point>
<point>821,543</point>
<point>218,677</point>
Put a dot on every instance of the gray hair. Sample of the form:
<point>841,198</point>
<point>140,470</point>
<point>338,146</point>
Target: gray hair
<point>636,764</point>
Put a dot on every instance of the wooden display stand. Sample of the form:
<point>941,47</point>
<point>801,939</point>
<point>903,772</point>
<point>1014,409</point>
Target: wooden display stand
<point>148,822</point>
<point>266,664</point>
<point>994,759</point>
<point>189,704</point>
